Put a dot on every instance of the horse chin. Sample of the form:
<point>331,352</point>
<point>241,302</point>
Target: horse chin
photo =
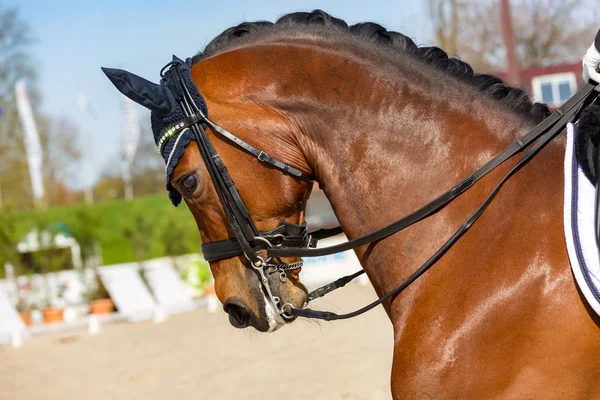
<point>258,311</point>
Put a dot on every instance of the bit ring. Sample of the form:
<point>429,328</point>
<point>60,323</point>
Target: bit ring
<point>286,314</point>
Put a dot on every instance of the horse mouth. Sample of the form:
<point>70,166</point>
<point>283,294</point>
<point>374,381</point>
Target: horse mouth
<point>239,315</point>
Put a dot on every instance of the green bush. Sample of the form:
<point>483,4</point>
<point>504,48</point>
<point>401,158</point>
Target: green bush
<point>86,230</point>
<point>113,218</point>
<point>177,235</point>
<point>9,238</point>
<point>139,234</point>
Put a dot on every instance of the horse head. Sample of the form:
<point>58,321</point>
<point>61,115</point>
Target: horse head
<point>270,196</point>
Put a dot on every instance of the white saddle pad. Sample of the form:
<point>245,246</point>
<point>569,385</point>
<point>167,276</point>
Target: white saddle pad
<point>579,225</point>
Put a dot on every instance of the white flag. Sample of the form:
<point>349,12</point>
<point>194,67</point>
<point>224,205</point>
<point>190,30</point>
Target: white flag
<point>32,141</point>
<point>131,130</point>
<point>84,104</point>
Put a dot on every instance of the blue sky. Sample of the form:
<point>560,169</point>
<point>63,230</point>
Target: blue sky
<point>75,38</point>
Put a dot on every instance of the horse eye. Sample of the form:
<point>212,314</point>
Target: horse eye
<point>189,182</point>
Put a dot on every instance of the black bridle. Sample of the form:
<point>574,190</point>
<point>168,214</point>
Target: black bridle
<point>264,250</point>
<point>248,241</point>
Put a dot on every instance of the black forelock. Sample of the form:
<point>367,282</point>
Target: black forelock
<point>514,99</point>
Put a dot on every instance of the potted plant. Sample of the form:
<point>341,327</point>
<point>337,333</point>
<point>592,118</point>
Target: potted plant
<point>24,309</point>
<point>99,299</point>
<point>53,310</point>
<point>50,260</point>
<point>29,298</point>
<point>11,265</point>
<point>52,314</point>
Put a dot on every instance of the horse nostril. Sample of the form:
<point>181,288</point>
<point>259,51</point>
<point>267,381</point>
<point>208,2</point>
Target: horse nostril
<point>239,315</point>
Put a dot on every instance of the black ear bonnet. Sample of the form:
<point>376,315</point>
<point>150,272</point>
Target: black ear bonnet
<point>166,111</point>
<point>175,147</point>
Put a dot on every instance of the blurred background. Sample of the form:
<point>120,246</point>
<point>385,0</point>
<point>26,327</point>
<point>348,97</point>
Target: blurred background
<point>103,289</point>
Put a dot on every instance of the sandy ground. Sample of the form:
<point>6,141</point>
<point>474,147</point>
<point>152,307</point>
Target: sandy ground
<point>200,355</point>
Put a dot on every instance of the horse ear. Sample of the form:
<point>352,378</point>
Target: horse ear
<point>156,98</point>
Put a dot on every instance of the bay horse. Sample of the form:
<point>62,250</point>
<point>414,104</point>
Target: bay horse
<point>384,126</point>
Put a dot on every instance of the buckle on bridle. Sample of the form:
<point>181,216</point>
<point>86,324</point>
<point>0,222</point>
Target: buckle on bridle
<point>264,240</point>
<point>262,156</point>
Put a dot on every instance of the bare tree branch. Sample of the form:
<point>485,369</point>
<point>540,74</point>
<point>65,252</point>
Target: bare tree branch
<point>546,31</point>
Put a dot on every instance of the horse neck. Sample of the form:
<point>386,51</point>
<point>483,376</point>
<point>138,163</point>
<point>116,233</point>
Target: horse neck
<point>382,145</point>
<point>382,139</point>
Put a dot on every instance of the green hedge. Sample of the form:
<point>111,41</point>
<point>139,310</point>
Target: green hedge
<point>116,216</point>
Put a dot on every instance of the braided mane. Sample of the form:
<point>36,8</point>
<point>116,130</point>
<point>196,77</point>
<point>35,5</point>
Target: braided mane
<point>513,98</point>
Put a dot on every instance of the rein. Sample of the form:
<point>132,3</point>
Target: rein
<point>264,249</point>
<point>543,132</point>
